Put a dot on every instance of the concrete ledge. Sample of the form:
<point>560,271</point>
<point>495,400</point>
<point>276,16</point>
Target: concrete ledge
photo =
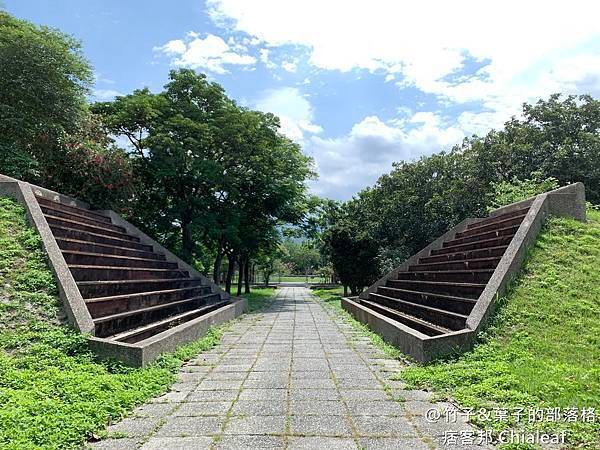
<point>411,342</point>
<point>144,352</point>
<point>566,201</point>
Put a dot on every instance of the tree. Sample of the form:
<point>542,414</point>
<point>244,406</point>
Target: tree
<point>353,254</point>
<point>43,82</point>
<point>47,134</point>
<point>215,175</point>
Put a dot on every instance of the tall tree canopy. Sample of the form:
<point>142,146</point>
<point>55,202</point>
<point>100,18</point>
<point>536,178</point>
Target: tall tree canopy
<point>219,173</point>
<point>47,135</point>
<point>43,82</point>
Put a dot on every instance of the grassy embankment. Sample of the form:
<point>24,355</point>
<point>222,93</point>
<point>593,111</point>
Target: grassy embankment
<point>52,391</point>
<point>542,349</point>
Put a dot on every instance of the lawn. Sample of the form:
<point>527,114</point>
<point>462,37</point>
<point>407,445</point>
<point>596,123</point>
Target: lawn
<point>54,394</point>
<point>297,279</point>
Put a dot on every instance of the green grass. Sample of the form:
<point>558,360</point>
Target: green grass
<point>296,278</point>
<point>53,393</point>
<point>259,299</point>
<point>332,299</point>
<point>542,348</point>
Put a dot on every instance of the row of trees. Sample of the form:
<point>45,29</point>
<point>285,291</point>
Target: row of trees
<point>555,143</point>
<point>209,179</point>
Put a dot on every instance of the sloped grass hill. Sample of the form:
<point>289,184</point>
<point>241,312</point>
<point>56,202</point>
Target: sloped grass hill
<point>53,394</point>
<point>543,347</point>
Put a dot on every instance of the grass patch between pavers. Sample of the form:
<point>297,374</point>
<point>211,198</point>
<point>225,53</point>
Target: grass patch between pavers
<point>54,394</point>
<point>542,349</point>
<point>332,299</point>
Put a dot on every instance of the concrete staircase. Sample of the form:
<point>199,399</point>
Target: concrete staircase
<point>436,295</point>
<point>133,297</point>
<point>437,301</point>
<point>132,292</point>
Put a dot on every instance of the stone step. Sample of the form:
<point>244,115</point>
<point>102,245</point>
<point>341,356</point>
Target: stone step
<point>75,225</point>
<point>437,316</point>
<point>48,211</point>
<point>470,254</point>
<point>105,273</point>
<point>508,231</point>
<point>415,323</point>
<point>69,233</point>
<point>460,305</point>
<point>73,209</point>
<point>117,323</point>
<point>76,245</point>
<point>141,333</point>
<point>511,221</point>
<point>107,288</point>
<point>478,245</point>
<point>460,276</point>
<point>479,263</point>
<point>469,290</point>
<point>500,217</point>
<point>104,306</point>
<point>99,259</point>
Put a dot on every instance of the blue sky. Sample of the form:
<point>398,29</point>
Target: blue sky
<point>358,84</point>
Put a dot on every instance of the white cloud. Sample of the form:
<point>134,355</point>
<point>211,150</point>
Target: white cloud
<point>349,163</point>
<point>289,66</point>
<point>533,48</point>
<point>105,94</point>
<point>211,53</point>
<point>293,109</point>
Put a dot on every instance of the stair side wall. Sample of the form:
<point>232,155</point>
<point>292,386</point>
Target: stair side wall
<point>72,301</point>
<point>568,201</point>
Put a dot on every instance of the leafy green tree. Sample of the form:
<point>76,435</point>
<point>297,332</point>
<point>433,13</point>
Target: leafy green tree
<point>353,254</point>
<point>556,142</point>
<point>47,134</point>
<point>213,173</point>
<point>44,79</point>
<point>301,257</point>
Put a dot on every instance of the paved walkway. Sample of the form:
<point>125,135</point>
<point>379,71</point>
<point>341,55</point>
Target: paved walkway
<point>295,376</point>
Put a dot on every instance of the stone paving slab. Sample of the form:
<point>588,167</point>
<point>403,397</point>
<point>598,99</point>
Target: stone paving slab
<point>295,376</point>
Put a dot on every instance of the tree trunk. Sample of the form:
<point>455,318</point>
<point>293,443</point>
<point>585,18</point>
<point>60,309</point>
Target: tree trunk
<point>187,241</point>
<point>240,275</point>
<point>217,267</point>
<point>345,291</point>
<point>246,276</point>
<point>231,267</point>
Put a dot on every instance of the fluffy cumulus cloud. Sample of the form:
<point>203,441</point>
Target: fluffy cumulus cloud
<point>210,53</point>
<point>349,163</point>
<point>530,49</point>
<point>293,109</point>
